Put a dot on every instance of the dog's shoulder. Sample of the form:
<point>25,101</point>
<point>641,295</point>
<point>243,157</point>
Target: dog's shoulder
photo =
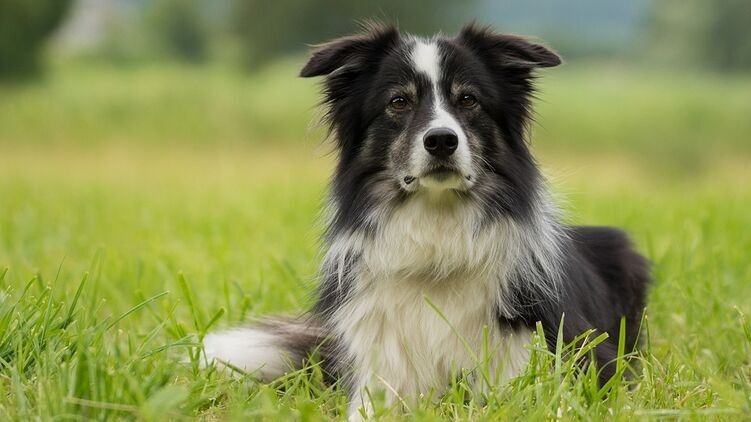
<point>611,253</point>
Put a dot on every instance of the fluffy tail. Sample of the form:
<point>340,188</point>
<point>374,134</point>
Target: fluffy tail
<point>268,349</point>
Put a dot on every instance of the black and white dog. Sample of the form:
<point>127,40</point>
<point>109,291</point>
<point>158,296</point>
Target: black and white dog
<point>443,246</point>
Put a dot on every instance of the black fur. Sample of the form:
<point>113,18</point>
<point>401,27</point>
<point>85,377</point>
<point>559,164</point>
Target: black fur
<point>604,279</point>
<point>589,277</point>
<point>361,69</point>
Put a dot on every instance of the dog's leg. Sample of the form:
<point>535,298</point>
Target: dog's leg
<point>360,409</point>
<point>369,388</point>
<point>361,405</point>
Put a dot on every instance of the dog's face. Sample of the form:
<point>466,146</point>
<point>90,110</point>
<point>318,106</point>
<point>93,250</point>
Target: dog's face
<point>438,115</point>
<point>428,120</point>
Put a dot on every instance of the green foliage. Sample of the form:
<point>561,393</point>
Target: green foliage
<point>267,29</point>
<point>25,25</point>
<point>179,26</point>
<point>712,34</point>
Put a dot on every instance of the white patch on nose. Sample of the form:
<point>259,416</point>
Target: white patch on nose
<point>426,58</point>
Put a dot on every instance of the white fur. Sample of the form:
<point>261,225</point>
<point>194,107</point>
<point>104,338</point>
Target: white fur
<point>251,350</point>
<point>426,286</point>
<point>426,59</point>
<point>426,289</point>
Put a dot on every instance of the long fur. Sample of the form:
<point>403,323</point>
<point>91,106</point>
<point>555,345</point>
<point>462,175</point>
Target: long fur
<point>441,263</point>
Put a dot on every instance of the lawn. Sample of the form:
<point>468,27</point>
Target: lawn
<point>140,208</point>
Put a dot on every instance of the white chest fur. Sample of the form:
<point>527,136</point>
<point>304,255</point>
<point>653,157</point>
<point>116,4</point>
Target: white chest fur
<point>424,302</point>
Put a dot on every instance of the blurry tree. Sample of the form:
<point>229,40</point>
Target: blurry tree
<point>270,28</point>
<point>180,27</point>
<point>25,25</point>
<point>711,33</point>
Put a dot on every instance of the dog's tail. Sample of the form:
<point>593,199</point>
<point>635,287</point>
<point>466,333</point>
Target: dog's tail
<point>268,349</point>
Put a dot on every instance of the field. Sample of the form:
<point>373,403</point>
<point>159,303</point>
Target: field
<point>139,208</point>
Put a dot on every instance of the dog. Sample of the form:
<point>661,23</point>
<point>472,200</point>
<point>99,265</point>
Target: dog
<point>444,248</point>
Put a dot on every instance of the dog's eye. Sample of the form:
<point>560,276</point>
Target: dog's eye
<point>467,101</point>
<point>399,103</point>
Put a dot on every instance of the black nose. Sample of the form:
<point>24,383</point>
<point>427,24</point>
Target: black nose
<point>441,142</point>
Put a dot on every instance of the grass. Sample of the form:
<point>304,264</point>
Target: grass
<point>136,216</point>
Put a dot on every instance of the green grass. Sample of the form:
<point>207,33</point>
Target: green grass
<point>140,209</point>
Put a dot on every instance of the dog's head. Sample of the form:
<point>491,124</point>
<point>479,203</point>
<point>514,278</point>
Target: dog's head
<point>444,116</point>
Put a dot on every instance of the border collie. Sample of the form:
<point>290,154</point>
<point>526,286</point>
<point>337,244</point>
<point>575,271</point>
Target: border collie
<point>444,249</point>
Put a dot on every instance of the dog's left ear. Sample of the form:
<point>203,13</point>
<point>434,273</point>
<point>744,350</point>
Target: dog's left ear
<point>354,51</point>
<point>508,50</point>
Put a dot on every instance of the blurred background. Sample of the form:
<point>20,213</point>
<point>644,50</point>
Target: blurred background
<point>139,101</point>
<point>662,79</point>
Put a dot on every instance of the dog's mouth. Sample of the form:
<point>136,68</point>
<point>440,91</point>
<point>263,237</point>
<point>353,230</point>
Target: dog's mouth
<point>441,172</point>
<point>440,176</point>
<point>438,173</point>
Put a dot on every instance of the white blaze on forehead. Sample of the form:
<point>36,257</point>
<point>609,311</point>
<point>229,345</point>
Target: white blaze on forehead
<point>427,60</point>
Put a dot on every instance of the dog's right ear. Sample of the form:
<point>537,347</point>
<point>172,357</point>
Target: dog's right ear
<point>355,51</point>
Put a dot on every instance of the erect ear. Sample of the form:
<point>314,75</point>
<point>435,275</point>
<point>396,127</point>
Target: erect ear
<point>353,50</point>
<point>510,50</point>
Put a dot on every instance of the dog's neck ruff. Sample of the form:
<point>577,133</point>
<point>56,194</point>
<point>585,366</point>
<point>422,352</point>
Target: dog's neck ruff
<point>431,242</point>
<point>421,292</point>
